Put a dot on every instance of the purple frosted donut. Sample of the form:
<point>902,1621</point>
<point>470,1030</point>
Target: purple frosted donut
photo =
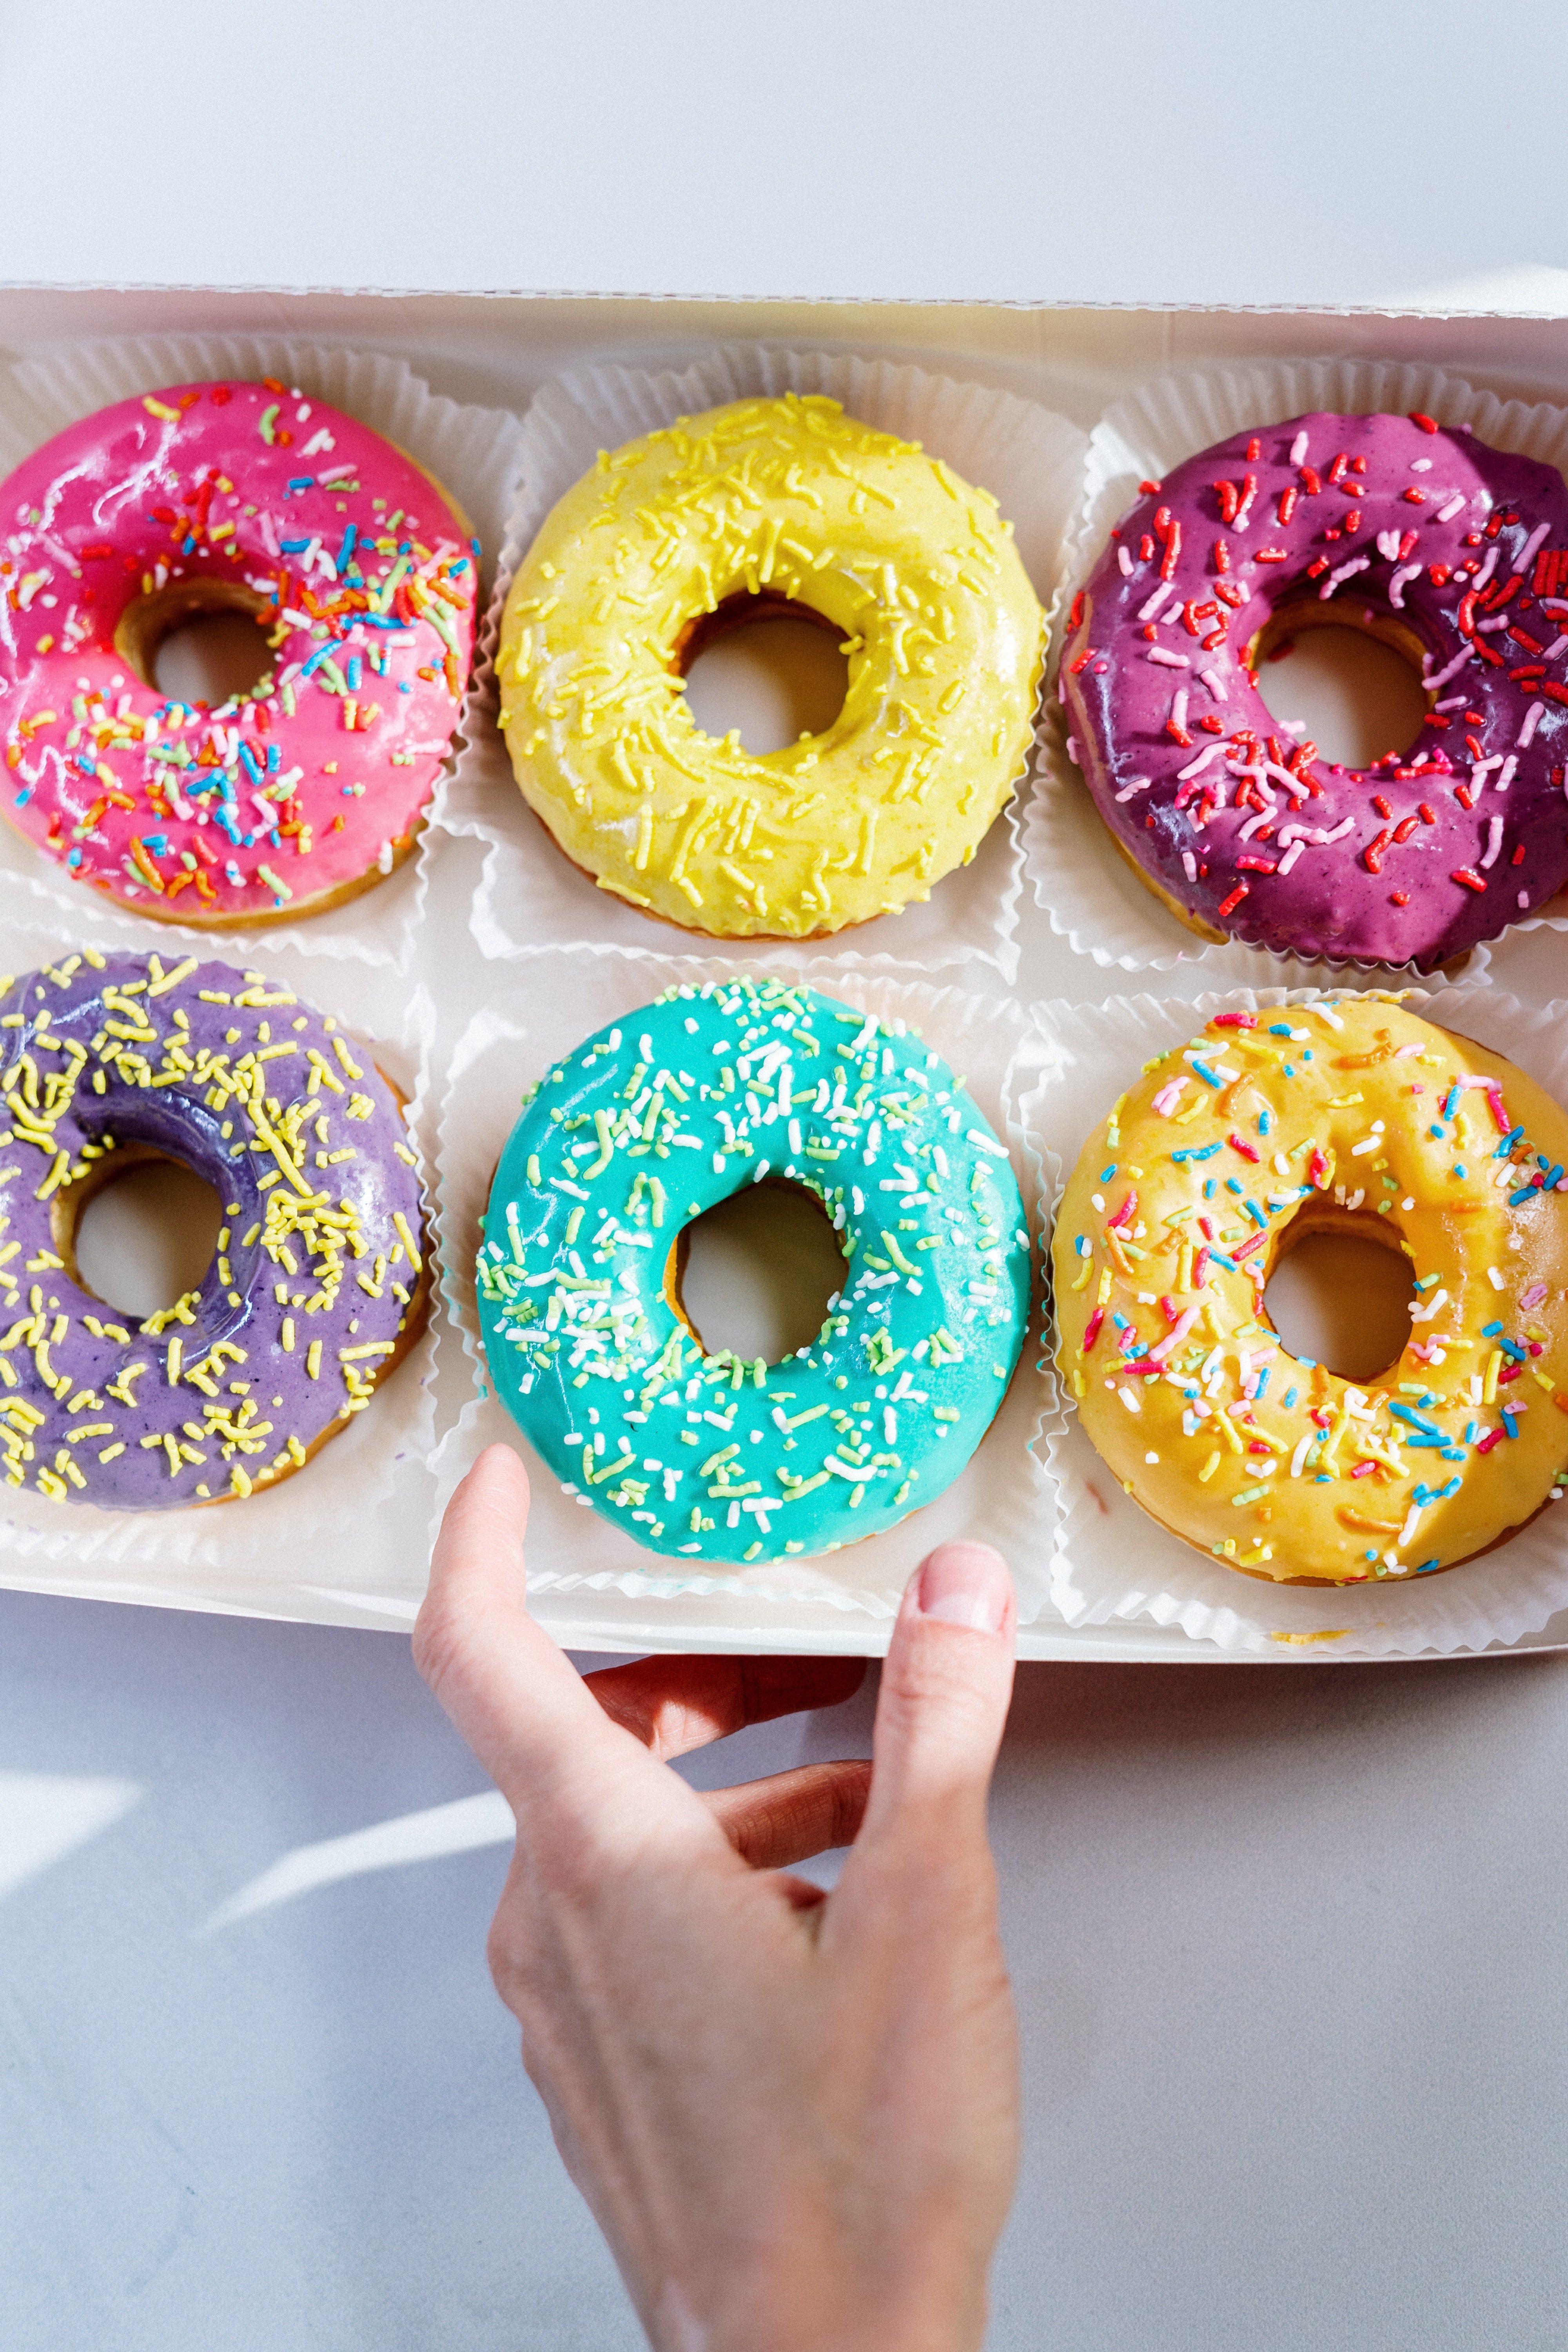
<point>318,1285</point>
<point>1455,553</point>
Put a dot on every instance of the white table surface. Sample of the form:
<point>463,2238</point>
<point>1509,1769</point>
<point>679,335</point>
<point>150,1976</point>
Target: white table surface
<point>1288,1945</point>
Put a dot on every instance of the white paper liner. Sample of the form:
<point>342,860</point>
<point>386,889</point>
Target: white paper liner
<point>473,452</point>
<point>1113,1563</point>
<point>1093,899</point>
<point>314,1522</point>
<point>544,1007</point>
<point>1026,456</point>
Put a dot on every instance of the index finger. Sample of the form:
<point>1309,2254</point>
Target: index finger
<point>514,1695</point>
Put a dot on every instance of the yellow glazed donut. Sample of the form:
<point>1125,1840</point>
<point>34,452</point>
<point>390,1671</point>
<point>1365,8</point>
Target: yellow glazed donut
<point>759,508</point>
<point>1351,1115</point>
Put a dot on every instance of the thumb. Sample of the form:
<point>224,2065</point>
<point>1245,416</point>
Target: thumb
<point>942,1703</point>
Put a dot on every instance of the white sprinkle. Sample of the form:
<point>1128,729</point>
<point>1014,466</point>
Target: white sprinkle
<point>1396,585</point>
<point>1298,449</point>
<point>1169,660</point>
<point>1215,683</point>
<point>1345,571</point>
<point>1447,514</point>
<point>1421,464</point>
<point>1190,866</point>
<point>1527,553</point>
<point>1505,773</point>
<point>1494,842</point>
<point>1533,719</point>
<point>1136,784</point>
<point>1126,562</point>
<point>1146,612</point>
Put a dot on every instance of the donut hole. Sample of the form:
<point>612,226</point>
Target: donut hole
<point>202,642</point>
<point>756,1275</point>
<point>1341,1293</point>
<point>139,1231</point>
<point>763,668</point>
<point>1352,684</point>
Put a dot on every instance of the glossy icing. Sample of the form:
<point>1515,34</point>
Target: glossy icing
<point>659,1118</point>
<point>790,500</point>
<point>1354,1115</point>
<point>362,575</point>
<point>317,1284</point>
<point>1456,553</point>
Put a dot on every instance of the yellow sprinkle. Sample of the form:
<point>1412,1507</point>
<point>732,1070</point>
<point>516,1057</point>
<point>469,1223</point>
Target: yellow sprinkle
<point>401,1221</point>
<point>314,1359</point>
<point>110,1451</point>
<point>288,1334</point>
<point>1210,1466</point>
<point>176,1348</point>
<point>241,1483</point>
<point>1489,1383</point>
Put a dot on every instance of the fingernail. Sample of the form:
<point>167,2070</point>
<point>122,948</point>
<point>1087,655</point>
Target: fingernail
<point>964,1584</point>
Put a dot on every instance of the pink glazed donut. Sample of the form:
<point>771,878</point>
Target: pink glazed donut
<point>1455,553</point>
<point>210,498</point>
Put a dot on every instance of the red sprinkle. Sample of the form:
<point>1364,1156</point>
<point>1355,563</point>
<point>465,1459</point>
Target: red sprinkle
<point>1076,615</point>
<point>1469,878</point>
<point>1399,897</point>
<point>1413,497</point>
<point>1428,423</point>
<point>1239,1143</point>
<point>1372,853</point>
<point>1151,488</point>
<point>1228,906</point>
<point>1092,1333</point>
<point>1234,1021</point>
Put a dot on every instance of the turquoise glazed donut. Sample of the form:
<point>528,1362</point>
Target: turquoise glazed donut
<point>660,1117</point>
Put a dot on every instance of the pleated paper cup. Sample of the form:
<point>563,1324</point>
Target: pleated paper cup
<point>1027,456</point>
<point>473,452</point>
<point>543,1008</point>
<point>1115,1565</point>
<point>1073,868</point>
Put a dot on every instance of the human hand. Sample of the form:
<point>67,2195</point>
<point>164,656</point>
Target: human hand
<point>794,2115</point>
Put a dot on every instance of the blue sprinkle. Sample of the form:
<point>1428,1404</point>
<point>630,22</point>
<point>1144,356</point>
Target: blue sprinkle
<point>1107,1173</point>
<point>1491,1330</point>
<point>1219,1258</point>
<point>1472,1430</point>
<point>1265,1123</point>
<point>1232,1186</point>
<point>1208,1188</point>
<point>1322,1479</point>
<point>1290,1396</point>
<point>1262,1383</point>
<point>404,687</point>
<point>274,759</point>
<point>474,545</point>
<point>1193,1153</point>
<point>1207,1075</point>
<point>1416,1419</point>
<point>248,762</point>
<point>1428,1566</point>
<point>1512,1347</point>
<point>1436,1135</point>
<point>1279,1029</point>
<point>1306,1054</point>
<point>1453,1098</point>
<point>1453,1453</point>
<point>294,546</point>
<point>1256,1213</point>
<point>1308,1363</point>
<point>355,672</point>
<point>1525,1192</point>
<point>158,843</point>
<point>347,549</point>
<point>1290,1069</point>
<point>1458,1168</point>
<point>189,545</point>
<point>75,858</point>
<point>1119,1321</point>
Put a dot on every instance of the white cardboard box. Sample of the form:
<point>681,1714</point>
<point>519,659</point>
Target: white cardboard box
<point>497,350</point>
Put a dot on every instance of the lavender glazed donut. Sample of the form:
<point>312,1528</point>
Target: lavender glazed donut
<point>1454,553</point>
<point>317,1286</point>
